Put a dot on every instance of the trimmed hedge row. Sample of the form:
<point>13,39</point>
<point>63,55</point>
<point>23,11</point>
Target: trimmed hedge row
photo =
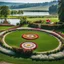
<point>34,25</point>
<point>46,26</point>
<point>51,27</point>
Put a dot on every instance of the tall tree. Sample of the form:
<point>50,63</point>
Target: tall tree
<point>4,11</point>
<point>61,10</point>
<point>0,11</point>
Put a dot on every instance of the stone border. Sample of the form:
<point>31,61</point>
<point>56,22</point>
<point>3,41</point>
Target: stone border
<point>3,40</point>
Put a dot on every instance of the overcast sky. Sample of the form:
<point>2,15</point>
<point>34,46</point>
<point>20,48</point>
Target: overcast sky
<point>26,1</point>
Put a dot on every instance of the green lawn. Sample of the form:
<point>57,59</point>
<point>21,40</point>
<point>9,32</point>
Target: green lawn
<point>45,41</point>
<point>44,19</point>
<point>25,25</point>
<point>53,19</point>
<point>15,60</point>
<point>4,27</point>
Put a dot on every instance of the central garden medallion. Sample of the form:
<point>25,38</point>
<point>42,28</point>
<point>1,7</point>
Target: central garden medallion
<point>30,36</point>
<point>28,45</point>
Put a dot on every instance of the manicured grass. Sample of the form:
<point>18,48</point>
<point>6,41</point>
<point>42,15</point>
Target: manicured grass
<point>15,60</point>
<point>18,17</point>
<point>4,27</point>
<point>45,41</point>
<point>26,25</point>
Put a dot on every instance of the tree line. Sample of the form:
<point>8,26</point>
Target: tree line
<point>5,11</point>
<point>61,10</point>
<point>16,12</point>
<point>53,9</point>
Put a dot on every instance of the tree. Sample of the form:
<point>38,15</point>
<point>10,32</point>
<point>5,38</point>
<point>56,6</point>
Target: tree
<point>53,9</point>
<point>4,11</point>
<point>0,11</point>
<point>16,12</point>
<point>20,12</point>
<point>61,10</point>
<point>23,20</point>
<point>13,12</point>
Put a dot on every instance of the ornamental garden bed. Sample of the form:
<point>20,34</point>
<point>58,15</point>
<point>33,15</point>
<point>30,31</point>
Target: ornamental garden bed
<point>45,41</point>
<point>48,45</point>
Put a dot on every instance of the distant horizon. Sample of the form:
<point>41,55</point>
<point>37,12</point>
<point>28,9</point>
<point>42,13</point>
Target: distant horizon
<point>26,1</point>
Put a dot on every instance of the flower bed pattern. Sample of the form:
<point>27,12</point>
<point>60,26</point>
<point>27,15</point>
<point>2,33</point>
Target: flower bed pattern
<point>28,45</point>
<point>30,36</point>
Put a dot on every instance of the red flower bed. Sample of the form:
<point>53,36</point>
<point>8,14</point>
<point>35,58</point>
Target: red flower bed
<point>48,20</point>
<point>30,36</point>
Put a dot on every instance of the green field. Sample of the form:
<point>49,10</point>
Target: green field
<point>15,60</point>
<point>4,27</point>
<point>45,41</point>
<point>43,19</point>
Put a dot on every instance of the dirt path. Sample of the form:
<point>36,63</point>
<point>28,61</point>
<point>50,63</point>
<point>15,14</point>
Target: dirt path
<point>5,63</point>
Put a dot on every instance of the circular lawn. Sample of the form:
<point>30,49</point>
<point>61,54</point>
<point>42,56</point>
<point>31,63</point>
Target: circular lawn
<point>45,41</point>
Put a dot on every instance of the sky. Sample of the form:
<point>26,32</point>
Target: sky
<point>26,1</point>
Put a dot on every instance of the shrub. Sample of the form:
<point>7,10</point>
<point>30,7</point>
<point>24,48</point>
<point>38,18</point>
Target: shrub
<point>51,26</point>
<point>33,25</point>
